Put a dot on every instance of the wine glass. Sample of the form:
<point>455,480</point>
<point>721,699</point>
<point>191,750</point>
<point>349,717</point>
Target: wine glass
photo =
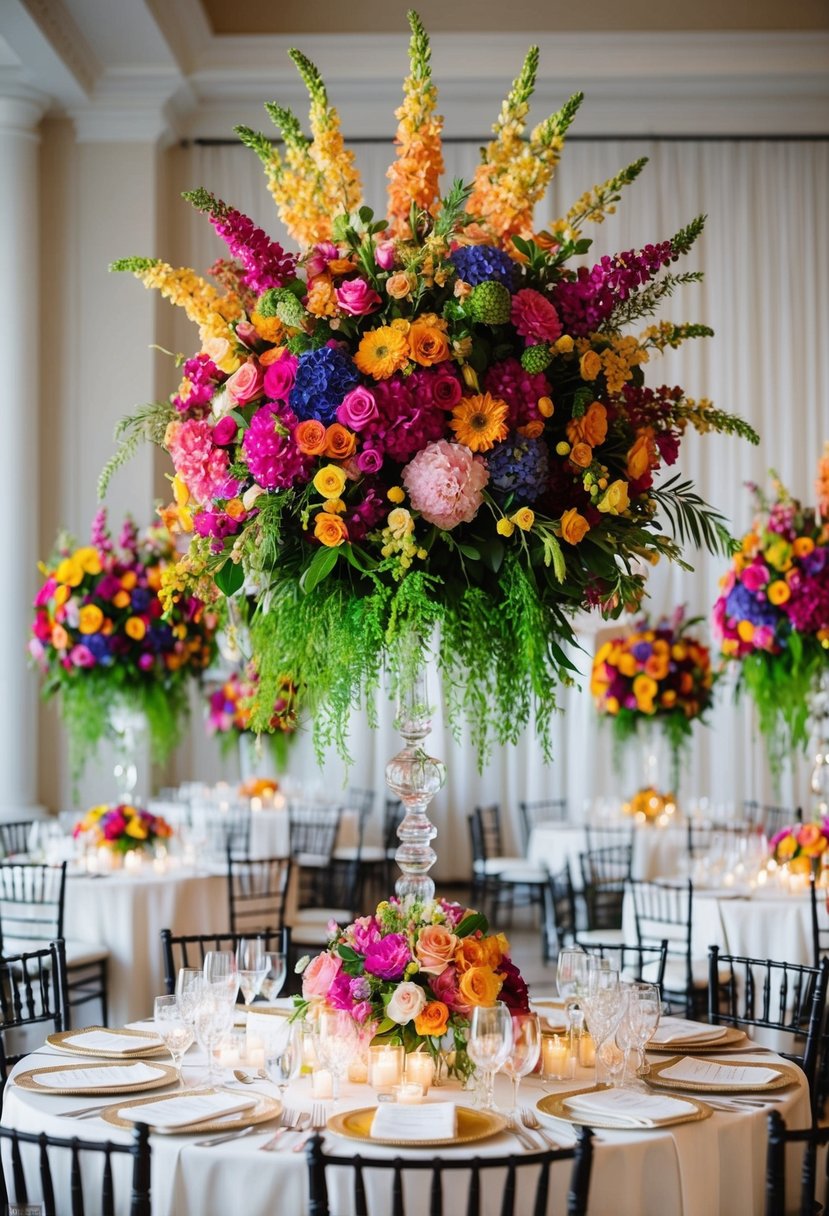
<point>526,1047</point>
<point>283,1057</point>
<point>335,1032</point>
<point>213,1018</point>
<point>572,967</point>
<point>489,1044</point>
<point>251,966</point>
<point>274,976</point>
<point>220,969</point>
<point>188,983</point>
<point>604,1005</point>
<point>174,1029</point>
<point>645,1010</point>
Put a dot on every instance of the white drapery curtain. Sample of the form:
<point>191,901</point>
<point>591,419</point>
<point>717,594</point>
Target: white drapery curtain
<point>765,254</point>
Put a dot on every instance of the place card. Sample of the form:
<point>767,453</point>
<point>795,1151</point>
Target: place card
<point>112,1041</point>
<point>707,1072</point>
<point>189,1109</point>
<point>431,1121</point>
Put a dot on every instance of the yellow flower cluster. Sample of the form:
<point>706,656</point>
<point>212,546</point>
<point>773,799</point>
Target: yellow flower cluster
<point>212,312</point>
<point>398,540</point>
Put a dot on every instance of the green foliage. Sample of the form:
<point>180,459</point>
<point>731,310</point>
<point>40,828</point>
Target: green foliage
<point>692,520</point>
<point>684,239</point>
<point>148,424</point>
<point>779,686</point>
<point>646,302</point>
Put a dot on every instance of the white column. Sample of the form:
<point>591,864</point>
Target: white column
<point>22,347</point>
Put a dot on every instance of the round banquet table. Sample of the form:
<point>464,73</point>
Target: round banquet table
<point>697,1169</point>
<point>657,851</point>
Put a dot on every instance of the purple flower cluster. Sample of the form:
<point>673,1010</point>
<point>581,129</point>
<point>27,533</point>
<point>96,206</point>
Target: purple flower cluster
<point>323,377</point>
<point>519,466</point>
<point>274,460</point>
<point>203,375</point>
<point>483,263</point>
<point>584,302</point>
<point>410,415</point>
<point>265,262</point>
<point>100,537</point>
<point>743,605</point>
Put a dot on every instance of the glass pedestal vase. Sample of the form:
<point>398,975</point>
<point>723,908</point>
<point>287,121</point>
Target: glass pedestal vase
<point>654,800</point>
<point>127,732</point>
<point>819,778</point>
<point>412,775</point>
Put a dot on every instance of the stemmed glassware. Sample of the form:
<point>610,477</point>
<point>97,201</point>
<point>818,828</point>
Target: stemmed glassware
<point>252,967</point>
<point>644,1012</point>
<point>274,976</point>
<point>173,1028</point>
<point>572,969</point>
<point>188,984</point>
<point>283,1057</point>
<point>213,1018</point>
<point>220,969</point>
<point>604,1005</point>
<point>489,1044</point>
<point>525,1050</point>
<point>336,1044</point>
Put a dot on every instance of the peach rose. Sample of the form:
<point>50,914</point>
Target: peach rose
<point>811,840</point>
<point>320,974</point>
<point>574,527</point>
<point>340,443</point>
<point>581,454</point>
<point>590,365</point>
<point>310,437</point>
<point>398,285</point>
<point>435,948</point>
<point>407,1002</point>
<point>641,456</point>
<point>427,344</point>
<point>480,986</point>
<point>330,530</point>
<point>246,384</point>
<point>433,1019</point>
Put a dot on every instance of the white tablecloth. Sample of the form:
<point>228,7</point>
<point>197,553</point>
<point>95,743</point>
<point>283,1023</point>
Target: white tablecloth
<point>657,851</point>
<point>699,1169</point>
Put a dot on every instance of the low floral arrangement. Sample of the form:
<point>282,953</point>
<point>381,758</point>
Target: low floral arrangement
<point>650,805</point>
<point>801,846</point>
<point>122,828</point>
<point>428,419</point>
<point>103,642</point>
<point>772,615</point>
<point>659,673</point>
<point>414,972</point>
<point>230,710</point>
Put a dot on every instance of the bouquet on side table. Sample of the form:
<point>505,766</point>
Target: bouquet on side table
<point>104,644</point>
<point>429,419</point>
<point>122,828</point>
<point>414,972</point>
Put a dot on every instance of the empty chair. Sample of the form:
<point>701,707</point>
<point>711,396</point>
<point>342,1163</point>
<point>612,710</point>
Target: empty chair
<point>642,964</point>
<point>321,892</point>
<point>813,1198</point>
<point>188,949</point>
<point>32,993</point>
<point>503,881</point>
<point>608,836</point>
<point>32,900</point>
<point>770,818</point>
<point>542,811</point>
<point>14,837</point>
<point>227,828</point>
<point>81,1176</point>
<point>257,892</point>
<point>664,912</point>
<point>559,911</point>
<point>524,1182</point>
<point>604,873</point>
<point>365,859</point>
<point>788,998</point>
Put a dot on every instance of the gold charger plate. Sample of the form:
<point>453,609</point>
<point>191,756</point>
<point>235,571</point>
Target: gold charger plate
<point>472,1125</point>
<point>61,1040</point>
<point>554,1105</point>
<point>788,1076</point>
<point>731,1039</point>
<point>26,1080</point>
<point>265,1109</point>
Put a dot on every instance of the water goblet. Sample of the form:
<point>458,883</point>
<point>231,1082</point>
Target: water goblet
<point>188,983</point>
<point>174,1029</point>
<point>489,1044</point>
<point>336,1042</point>
<point>604,1005</point>
<point>283,1057</point>
<point>275,975</point>
<point>220,968</point>
<point>645,1011</point>
<point>572,967</point>
<point>213,1018</point>
<point>525,1050</point>
<point>251,967</point>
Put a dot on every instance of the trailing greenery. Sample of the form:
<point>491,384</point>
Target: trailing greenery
<point>780,686</point>
<point>147,425</point>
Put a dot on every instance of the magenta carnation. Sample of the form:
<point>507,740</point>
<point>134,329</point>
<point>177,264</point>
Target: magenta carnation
<point>201,465</point>
<point>521,390</point>
<point>445,483</point>
<point>274,460</point>
<point>407,418</point>
<point>534,317</point>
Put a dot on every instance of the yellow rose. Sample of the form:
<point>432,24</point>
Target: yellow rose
<point>590,365</point>
<point>330,481</point>
<point>69,572</point>
<point>564,345</point>
<point>524,518</point>
<point>89,560</point>
<point>396,494</point>
<point>480,986</point>
<point>400,523</point>
<point>615,499</point>
<point>330,530</point>
<point>574,527</point>
<point>504,527</point>
<point>641,456</point>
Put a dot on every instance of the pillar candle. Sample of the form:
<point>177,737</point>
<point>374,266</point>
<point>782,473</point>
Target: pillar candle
<point>420,1068</point>
<point>555,1056</point>
<point>385,1067</point>
<point>322,1083</point>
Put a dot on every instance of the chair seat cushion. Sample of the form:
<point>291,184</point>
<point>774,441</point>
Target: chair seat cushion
<point>607,937</point>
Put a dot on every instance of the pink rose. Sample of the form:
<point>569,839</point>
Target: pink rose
<point>445,988</point>
<point>384,255</point>
<point>320,974</point>
<point>755,576</point>
<point>445,482</point>
<point>369,461</point>
<point>357,408</point>
<point>406,1003</point>
<point>246,333</point>
<point>435,948</point>
<point>280,376</point>
<point>319,257</point>
<point>534,317</point>
<point>246,384</point>
<point>357,298</point>
<point>763,637</point>
<point>224,432</point>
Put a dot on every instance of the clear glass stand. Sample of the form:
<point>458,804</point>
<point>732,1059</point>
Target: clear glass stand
<point>819,780</point>
<point>127,729</point>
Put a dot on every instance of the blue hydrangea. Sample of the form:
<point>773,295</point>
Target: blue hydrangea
<point>519,466</point>
<point>481,264</point>
<point>99,646</point>
<point>323,378</point>
<point>743,605</point>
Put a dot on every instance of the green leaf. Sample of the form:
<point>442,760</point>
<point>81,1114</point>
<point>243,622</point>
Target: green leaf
<point>471,924</point>
<point>322,563</point>
<point>470,551</point>
<point>366,215</point>
<point>348,954</point>
<point>230,578</point>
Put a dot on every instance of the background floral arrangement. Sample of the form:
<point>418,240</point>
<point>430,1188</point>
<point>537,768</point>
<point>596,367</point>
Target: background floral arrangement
<point>122,827</point>
<point>102,640</point>
<point>426,419</point>
<point>772,615</point>
<point>800,846</point>
<point>658,673</point>
<point>230,708</point>
<point>414,972</point>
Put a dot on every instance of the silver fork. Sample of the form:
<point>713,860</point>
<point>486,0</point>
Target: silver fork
<point>530,1119</point>
<point>521,1134</point>
<point>318,1122</point>
<point>291,1121</point>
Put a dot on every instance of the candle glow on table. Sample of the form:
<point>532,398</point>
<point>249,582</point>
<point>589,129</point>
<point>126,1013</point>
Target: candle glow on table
<point>385,1067</point>
<point>587,1052</point>
<point>420,1068</point>
<point>409,1093</point>
<point>322,1083</point>
<point>555,1057</point>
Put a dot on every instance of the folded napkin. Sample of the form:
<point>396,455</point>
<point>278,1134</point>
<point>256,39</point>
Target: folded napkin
<point>677,1030</point>
<point>104,1040</point>
<point>113,1076</point>
<point>192,1108</point>
<point>432,1121</point>
<point>708,1072</point>
<point>626,1108</point>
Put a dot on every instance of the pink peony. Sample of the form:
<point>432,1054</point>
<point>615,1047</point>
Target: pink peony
<point>320,974</point>
<point>357,298</point>
<point>357,408</point>
<point>534,317</point>
<point>280,376</point>
<point>755,576</point>
<point>444,483</point>
<point>201,465</point>
<point>245,385</point>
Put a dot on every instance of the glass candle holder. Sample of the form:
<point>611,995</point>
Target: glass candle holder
<point>555,1057</point>
<point>408,1093</point>
<point>385,1067</point>
<point>420,1068</point>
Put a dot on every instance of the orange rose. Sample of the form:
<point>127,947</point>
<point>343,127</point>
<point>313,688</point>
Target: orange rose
<point>427,344</point>
<point>590,365</point>
<point>330,530</point>
<point>480,986</point>
<point>398,285</point>
<point>310,437</point>
<point>532,429</point>
<point>581,454</point>
<point>641,456</point>
<point>470,953</point>
<point>591,427</point>
<point>811,840</point>
<point>340,443</point>
<point>432,1020</point>
<point>574,527</point>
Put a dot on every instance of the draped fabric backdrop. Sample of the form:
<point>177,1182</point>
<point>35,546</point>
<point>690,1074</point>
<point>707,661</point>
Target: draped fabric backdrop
<point>764,252</point>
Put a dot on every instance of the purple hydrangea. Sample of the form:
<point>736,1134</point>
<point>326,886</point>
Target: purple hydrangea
<point>323,378</point>
<point>482,263</point>
<point>519,466</point>
<point>743,606</point>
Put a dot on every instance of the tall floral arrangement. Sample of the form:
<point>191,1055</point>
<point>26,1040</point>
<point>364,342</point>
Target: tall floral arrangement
<point>102,640</point>
<point>230,708</point>
<point>413,972</point>
<point>772,615</point>
<point>435,418</point>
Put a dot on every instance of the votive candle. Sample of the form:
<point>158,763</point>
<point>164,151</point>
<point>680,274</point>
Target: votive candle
<point>587,1052</point>
<point>409,1093</point>
<point>555,1056</point>
<point>385,1067</point>
<point>420,1068</point>
<point>322,1083</point>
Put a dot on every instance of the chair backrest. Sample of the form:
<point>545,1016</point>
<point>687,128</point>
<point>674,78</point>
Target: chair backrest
<point>663,912</point>
<point>38,1169</point>
<point>770,818</point>
<point>257,889</point>
<point>645,964</point>
<point>560,907</point>
<point>545,810</point>
<point>524,1181</point>
<point>360,800</point>
<point>604,873</point>
<point>31,904</point>
<point>789,998</point>
<point>32,991</point>
<point>14,836</point>
<point>489,818</point>
<point>607,836</point>
<point>188,949</point>
<point>812,1138</point>
<point>313,831</point>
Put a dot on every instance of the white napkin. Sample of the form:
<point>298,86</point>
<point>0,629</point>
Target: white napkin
<point>432,1121</point>
<point>192,1108</point>
<point>98,1078</point>
<point>104,1040</point>
<point>708,1072</point>
<point>677,1030</point>
<point>627,1108</point>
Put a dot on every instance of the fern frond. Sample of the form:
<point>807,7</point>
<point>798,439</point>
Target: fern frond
<point>646,302</point>
<point>147,425</point>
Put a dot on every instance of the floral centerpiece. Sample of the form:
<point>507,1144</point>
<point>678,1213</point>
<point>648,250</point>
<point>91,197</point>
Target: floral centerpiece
<point>122,828</point>
<point>103,642</point>
<point>413,973</point>
<point>438,417</point>
<point>230,708</point>
<point>800,847</point>
<point>772,616</point>
<point>658,674</point>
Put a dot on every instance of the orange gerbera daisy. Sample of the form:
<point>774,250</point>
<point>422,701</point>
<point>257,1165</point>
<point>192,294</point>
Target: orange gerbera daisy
<point>480,421</point>
<point>382,352</point>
